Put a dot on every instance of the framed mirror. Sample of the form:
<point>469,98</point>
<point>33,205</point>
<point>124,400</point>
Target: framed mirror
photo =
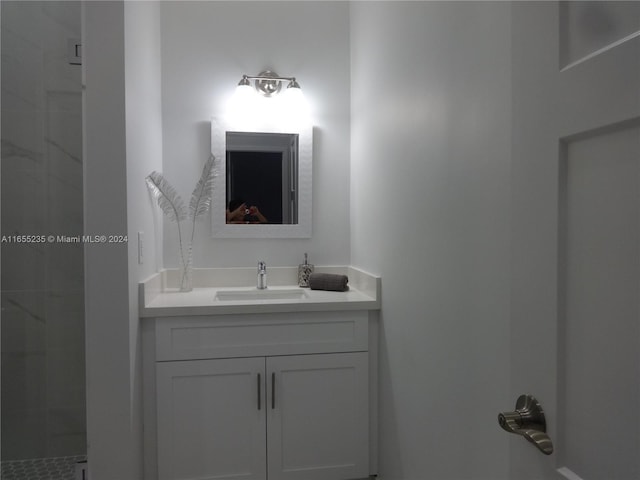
<point>264,184</point>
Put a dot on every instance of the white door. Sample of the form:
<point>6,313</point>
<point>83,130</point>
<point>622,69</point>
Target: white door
<point>211,419</point>
<point>318,416</point>
<point>576,241</point>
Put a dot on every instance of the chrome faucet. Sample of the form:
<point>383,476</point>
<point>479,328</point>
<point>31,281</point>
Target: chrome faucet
<point>262,275</point>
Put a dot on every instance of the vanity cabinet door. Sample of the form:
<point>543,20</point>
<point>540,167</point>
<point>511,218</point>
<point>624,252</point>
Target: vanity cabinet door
<point>211,419</point>
<point>318,416</point>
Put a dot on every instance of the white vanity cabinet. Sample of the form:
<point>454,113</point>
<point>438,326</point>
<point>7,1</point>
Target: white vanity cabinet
<point>276,396</point>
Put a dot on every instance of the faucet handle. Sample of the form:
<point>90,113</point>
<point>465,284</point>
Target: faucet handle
<point>262,275</point>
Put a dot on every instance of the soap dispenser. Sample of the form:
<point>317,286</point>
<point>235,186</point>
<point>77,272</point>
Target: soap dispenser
<point>304,270</point>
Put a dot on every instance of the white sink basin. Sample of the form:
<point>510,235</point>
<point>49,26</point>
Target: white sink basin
<point>255,294</point>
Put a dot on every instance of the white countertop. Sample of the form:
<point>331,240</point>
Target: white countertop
<point>157,299</point>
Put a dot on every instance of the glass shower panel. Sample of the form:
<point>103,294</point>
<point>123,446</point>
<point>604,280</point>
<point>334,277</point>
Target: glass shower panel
<point>43,349</point>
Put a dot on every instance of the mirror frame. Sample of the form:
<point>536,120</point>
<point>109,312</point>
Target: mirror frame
<point>219,226</point>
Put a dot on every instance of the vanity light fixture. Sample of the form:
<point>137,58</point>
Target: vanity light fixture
<point>268,83</point>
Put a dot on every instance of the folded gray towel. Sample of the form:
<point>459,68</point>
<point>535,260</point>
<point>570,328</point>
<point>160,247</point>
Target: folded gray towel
<point>328,281</point>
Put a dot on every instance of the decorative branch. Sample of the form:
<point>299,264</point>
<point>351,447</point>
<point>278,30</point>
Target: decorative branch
<point>167,197</point>
<point>174,208</point>
<point>201,196</point>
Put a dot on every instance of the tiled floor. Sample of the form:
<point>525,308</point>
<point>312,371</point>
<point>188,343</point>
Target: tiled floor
<point>57,468</point>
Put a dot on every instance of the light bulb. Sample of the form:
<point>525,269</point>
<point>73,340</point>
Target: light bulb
<point>243,98</point>
<point>294,101</point>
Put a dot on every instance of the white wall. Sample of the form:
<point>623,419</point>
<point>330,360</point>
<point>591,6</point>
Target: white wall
<point>429,213</point>
<point>107,310</point>
<point>123,143</point>
<point>206,47</point>
<point>144,154</point>
<point>144,131</point>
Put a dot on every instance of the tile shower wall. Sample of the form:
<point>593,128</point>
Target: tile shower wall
<point>43,359</point>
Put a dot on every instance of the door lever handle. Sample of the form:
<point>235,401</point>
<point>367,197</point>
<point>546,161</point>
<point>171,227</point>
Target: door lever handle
<point>528,420</point>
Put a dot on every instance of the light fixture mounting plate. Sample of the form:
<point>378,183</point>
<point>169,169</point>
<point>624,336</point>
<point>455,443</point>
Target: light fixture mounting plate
<point>267,87</point>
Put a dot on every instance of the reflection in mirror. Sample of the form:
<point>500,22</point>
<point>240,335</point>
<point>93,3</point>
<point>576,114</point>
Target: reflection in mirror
<point>267,165</point>
<point>261,178</point>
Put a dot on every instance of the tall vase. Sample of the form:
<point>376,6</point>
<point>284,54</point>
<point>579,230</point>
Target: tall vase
<point>186,269</point>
